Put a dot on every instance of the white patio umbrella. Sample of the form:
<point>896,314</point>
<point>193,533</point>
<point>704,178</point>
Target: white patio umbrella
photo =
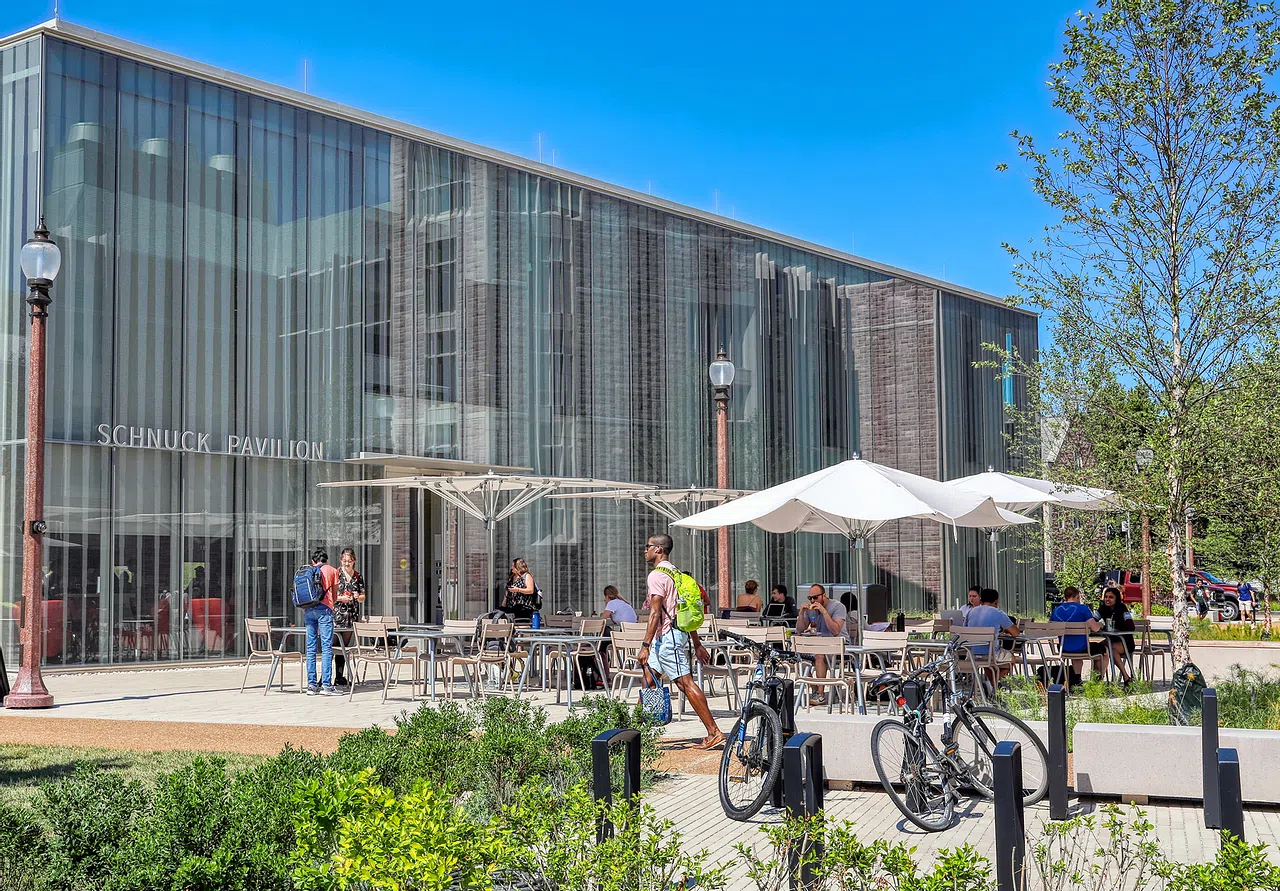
<point>1020,493</point>
<point>1023,493</point>
<point>855,498</point>
<point>1012,493</point>
<point>674,504</point>
<point>489,497</point>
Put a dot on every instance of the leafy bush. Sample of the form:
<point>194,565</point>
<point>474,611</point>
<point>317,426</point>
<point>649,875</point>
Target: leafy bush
<point>844,863</point>
<point>353,832</point>
<point>22,861</point>
<point>1249,699</point>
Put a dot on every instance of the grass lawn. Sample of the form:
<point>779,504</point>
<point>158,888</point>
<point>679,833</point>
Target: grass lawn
<point>24,767</point>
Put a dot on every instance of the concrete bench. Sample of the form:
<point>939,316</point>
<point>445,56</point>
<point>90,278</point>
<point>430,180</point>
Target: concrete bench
<point>1164,762</point>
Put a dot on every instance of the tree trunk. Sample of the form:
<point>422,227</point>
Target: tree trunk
<point>1176,512</point>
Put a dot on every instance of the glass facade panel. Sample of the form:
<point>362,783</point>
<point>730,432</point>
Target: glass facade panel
<point>975,425</point>
<point>254,293</point>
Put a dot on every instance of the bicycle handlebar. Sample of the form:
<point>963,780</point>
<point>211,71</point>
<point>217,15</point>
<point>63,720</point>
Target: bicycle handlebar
<point>770,651</point>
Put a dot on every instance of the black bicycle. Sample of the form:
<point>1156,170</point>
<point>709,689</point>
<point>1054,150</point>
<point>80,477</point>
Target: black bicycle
<point>925,778</point>
<point>753,750</point>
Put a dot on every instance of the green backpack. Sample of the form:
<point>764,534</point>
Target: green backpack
<point>688,600</point>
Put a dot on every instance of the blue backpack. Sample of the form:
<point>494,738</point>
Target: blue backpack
<point>308,586</point>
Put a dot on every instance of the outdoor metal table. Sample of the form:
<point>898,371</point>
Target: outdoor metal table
<point>431,634</point>
<point>286,632</point>
<point>859,651</point>
<point>1110,637</point>
<point>566,642</point>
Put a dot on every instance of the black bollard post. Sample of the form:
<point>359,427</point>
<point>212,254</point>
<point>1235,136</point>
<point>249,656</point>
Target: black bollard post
<point>1011,838</point>
<point>803,781</point>
<point>1209,759</point>
<point>782,696</point>
<point>602,775</point>
<point>1230,801</point>
<point>1058,780</point>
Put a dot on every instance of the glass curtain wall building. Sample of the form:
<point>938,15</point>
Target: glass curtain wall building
<point>263,291</point>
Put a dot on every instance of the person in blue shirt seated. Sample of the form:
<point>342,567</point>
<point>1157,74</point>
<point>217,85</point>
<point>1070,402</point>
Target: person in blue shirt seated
<point>987,614</point>
<point>1073,610</point>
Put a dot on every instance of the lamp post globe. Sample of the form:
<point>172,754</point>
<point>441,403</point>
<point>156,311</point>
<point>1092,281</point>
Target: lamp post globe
<point>41,258</point>
<point>41,261</point>
<point>721,371</point>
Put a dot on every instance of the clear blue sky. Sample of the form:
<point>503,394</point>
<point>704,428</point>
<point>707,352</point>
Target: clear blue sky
<point>870,127</point>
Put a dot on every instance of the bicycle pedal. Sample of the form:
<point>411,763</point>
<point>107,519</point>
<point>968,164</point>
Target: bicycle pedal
<point>740,780</point>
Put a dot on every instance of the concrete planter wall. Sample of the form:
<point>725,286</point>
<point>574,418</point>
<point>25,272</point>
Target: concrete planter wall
<point>846,742</point>
<point>1164,762</point>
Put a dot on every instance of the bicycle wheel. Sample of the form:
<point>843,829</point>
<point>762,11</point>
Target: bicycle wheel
<point>913,775</point>
<point>976,741</point>
<point>752,761</point>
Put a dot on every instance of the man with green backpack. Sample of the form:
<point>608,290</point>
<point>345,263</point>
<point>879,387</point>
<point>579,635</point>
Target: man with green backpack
<point>675,603</point>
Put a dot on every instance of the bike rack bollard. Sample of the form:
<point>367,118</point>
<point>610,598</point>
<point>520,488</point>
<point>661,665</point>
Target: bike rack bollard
<point>1230,803</point>
<point>1011,838</point>
<point>782,698</point>
<point>1209,759</point>
<point>602,777</point>
<point>1058,779</point>
<point>801,784</point>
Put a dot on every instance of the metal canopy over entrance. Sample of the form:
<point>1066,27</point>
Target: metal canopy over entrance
<point>489,497</point>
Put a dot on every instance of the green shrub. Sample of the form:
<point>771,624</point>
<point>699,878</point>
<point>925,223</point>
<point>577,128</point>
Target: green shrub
<point>90,817</point>
<point>23,861</point>
<point>1249,699</point>
<point>353,832</point>
<point>845,863</point>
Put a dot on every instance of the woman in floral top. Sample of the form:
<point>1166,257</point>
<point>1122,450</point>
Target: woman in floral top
<point>346,608</point>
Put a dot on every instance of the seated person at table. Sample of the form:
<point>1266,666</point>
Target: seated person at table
<point>987,614</point>
<point>826,618</point>
<point>750,601</point>
<point>780,605</point>
<point>1072,610</point>
<point>616,610</point>
<point>1115,617</point>
<point>974,599</point>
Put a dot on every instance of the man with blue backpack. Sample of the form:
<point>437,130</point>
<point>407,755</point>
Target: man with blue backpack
<point>675,604</point>
<point>314,589</point>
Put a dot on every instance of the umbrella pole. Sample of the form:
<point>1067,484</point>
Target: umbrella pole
<point>856,548</point>
<point>488,585</point>
<point>995,559</point>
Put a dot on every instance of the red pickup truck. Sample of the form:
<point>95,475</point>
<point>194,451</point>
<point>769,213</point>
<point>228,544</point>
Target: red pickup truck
<point>1223,596</point>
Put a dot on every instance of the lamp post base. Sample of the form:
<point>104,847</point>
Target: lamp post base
<point>25,694</point>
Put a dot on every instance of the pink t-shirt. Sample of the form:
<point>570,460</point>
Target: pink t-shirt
<point>329,577</point>
<point>662,588</point>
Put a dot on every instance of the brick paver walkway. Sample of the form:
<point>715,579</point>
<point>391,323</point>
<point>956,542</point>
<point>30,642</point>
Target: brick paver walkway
<point>693,804</point>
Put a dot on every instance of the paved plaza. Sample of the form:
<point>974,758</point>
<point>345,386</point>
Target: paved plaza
<point>201,709</point>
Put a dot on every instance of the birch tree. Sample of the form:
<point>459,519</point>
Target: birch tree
<point>1161,263</point>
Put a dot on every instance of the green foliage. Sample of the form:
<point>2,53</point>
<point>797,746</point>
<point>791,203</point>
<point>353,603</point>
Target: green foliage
<point>1116,851</point>
<point>1203,629</point>
<point>354,833</point>
<point>1237,866</point>
<point>1249,699</point>
<point>839,861</point>
<point>23,861</point>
